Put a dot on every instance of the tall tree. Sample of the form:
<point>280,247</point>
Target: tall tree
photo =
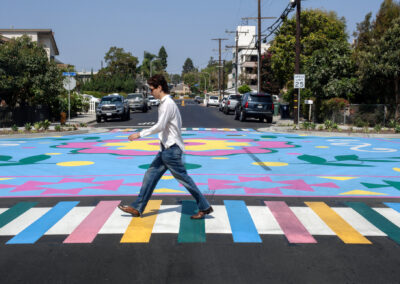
<point>319,30</point>
<point>26,75</point>
<point>162,56</point>
<point>120,62</point>
<point>269,83</point>
<point>188,66</point>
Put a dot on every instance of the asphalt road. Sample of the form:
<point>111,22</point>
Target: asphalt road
<point>219,257</point>
<point>193,115</point>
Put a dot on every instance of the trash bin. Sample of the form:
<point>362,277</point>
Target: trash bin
<point>276,108</point>
<point>284,109</point>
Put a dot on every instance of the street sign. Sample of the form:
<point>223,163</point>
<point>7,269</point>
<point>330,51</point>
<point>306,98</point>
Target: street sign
<point>308,102</point>
<point>299,81</point>
<point>69,83</point>
<point>70,74</point>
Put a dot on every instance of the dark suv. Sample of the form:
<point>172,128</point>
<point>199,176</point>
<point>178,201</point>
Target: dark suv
<point>112,106</point>
<point>257,105</point>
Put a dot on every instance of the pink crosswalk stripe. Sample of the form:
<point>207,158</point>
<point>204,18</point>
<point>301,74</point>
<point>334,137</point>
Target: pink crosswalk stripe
<point>91,225</point>
<point>294,230</point>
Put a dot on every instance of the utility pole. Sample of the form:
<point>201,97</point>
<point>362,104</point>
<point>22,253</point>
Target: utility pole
<point>296,102</point>
<point>259,18</point>
<point>236,56</point>
<point>223,78</point>
<point>219,64</point>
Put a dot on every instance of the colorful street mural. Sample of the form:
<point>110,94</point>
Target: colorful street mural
<point>237,162</point>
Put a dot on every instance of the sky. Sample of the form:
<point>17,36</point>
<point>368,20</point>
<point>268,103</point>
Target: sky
<point>86,29</point>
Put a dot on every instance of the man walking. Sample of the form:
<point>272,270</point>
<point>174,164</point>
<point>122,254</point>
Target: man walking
<point>170,156</point>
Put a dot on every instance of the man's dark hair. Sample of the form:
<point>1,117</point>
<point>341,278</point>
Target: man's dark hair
<point>158,80</point>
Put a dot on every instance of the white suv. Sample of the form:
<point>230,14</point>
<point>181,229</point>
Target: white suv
<point>212,101</point>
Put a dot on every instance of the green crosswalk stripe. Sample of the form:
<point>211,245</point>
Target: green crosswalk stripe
<point>15,211</point>
<point>191,231</point>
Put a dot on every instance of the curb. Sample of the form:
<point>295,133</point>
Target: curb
<point>52,134</point>
<point>329,134</point>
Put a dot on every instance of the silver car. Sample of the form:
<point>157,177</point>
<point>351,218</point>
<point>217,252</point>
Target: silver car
<point>138,101</point>
<point>231,103</point>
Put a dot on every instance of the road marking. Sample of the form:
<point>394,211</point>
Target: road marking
<point>14,212</point>
<point>36,230</point>
<point>343,230</point>
<point>191,231</point>
<point>91,225</point>
<point>242,225</point>
<point>140,229</point>
<point>294,231</point>
<point>377,219</point>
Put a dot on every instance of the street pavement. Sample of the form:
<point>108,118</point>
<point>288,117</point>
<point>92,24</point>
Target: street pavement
<point>288,208</point>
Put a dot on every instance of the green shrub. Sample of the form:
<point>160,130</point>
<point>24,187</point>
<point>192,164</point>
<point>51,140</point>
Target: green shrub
<point>328,124</point>
<point>28,126</point>
<point>366,129</point>
<point>378,128</point>
<point>335,126</point>
<point>320,127</point>
<point>14,128</point>
<point>83,124</point>
<point>45,124</point>
<point>392,123</point>
<point>37,126</point>
<point>397,129</point>
<point>57,127</point>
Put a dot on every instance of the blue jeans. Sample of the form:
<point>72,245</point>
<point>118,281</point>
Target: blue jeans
<point>168,159</point>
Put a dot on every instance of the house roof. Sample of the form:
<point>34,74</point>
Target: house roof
<point>4,39</point>
<point>38,31</point>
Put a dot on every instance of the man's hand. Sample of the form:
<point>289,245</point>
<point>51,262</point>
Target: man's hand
<point>134,136</point>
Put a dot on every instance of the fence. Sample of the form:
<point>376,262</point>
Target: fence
<point>362,114</point>
<point>22,115</point>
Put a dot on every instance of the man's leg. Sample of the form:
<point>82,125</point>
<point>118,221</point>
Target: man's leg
<point>172,158</point>
<point>150,180</point>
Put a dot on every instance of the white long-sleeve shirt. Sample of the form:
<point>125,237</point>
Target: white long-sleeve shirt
<point>168,125</point>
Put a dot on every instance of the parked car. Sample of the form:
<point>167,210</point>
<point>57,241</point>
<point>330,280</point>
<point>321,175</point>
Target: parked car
<point>112,106</point>
<point>256,105</point>
<point>153,101</point>
<point>231,103</point>
<point>138,101</point>
<point>212,101</point>
<point>222,104</point>
<point>198,99</point>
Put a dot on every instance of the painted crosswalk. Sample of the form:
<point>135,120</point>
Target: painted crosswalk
<point>354,223</point>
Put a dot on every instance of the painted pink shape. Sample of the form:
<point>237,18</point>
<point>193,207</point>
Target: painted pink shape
<point>294,230</point>
<point>298,184</point>
<point>297,154</point>
<point>112,185</point>
<point>91,225</point>
<point>245,179</point>
<point>125,158</point>
<point>67,180</point>
<point>28,147</point>
<point>30,185</point>
<point>272,190</point>
<point>326,184</point>
<point>70,191</point>
<point>134,184</point>
<point>215,184</point>
<point>7,186</point>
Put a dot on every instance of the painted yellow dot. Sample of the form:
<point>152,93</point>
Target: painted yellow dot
<point>323,147</point>
<point>219,158</point>
<point>52,154</point>
<point>396,169</point>
<point>270,164</point>
<point>56,136</point>
<point>75,163</point>
<point>303,135</point>
<point>167,177</point>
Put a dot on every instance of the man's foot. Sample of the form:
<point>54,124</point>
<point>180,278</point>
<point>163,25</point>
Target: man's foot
<point>130,210</point>
<point>202,213</point>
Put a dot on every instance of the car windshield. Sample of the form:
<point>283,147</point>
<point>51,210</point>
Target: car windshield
<point>111,99</point>
<point>235,97</point>
<point>151,97</point>
<point>260,99</point>
<point>134,96</point>
<point>213,98</point>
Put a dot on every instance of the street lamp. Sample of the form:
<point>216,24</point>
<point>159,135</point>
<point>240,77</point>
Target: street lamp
<point>205,81</point>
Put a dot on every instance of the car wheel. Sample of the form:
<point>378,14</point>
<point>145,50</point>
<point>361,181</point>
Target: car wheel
<point>206,105</point>
<point>242,116</point>
<point>128,117</point>
<point>236,116</point>
<point>269,119</point>
<point>145,109</point>
<point>98,119</point>
<point>226,110</point>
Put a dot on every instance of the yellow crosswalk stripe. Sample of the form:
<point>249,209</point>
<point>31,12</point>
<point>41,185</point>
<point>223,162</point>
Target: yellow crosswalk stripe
<point>342,229</point>
<point>139,229</point>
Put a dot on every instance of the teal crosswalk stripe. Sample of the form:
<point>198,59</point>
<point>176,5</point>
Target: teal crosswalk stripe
<point>15,211</point>
<point>191,231</point>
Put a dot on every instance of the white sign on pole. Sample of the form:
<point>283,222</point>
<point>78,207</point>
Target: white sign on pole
<point>299,81</point>
<point>69,83</point>
<point>308,102</point>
